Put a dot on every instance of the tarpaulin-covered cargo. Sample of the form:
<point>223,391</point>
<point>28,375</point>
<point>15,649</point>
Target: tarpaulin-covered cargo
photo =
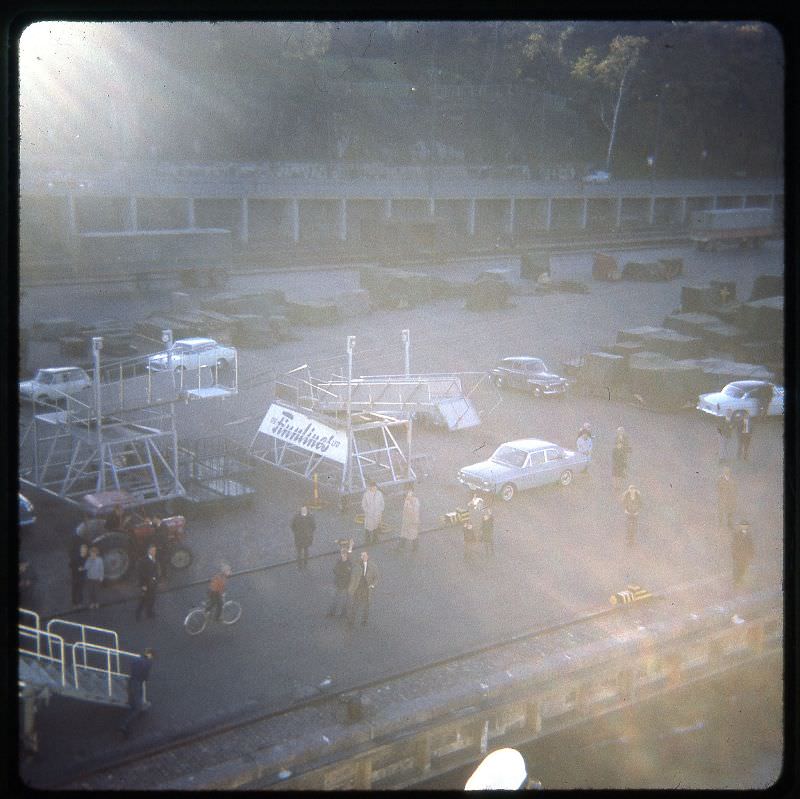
<point>767,286</point>
<point>675,345</point>
<point>690,324</point>
<point>663,382</point>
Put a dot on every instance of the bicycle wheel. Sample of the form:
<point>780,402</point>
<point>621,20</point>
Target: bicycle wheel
<point>195,621</point>
<point>231,612</point>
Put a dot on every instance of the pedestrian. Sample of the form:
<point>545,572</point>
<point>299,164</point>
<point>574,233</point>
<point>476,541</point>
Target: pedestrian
<point>487,532</point>
<point>469,543</point>
<point>409,524</point>
<point>475,507</point>
<point>140,673</point>
<point>585,428</point>
<point>78,554</point>
<point>303,526</point>
<point>362,581</point>
<point>726,498</point>
<point>161,541</point>
<point>725,431</point>
<point>584,444</point>
<point>95,574</point>
<point>619,464</point>
<point>765,395</point>
<point>745,432</point>
<point>342,571</point>
<point>632,505</point>
<point>28,580</point>
<point>621,437</point>
<point>216,590</point>
<point>148,584</point>
<point>372,504</point>
<point>741,551</point>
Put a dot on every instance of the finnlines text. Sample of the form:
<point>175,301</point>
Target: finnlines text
<point>305,437</point>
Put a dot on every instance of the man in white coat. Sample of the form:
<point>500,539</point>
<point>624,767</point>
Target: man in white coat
<point>372,504</point>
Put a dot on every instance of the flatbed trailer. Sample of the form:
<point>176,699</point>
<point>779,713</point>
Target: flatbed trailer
<point>748,227</point>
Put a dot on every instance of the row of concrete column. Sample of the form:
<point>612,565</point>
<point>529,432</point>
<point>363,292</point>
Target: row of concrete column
<point>131,214</point>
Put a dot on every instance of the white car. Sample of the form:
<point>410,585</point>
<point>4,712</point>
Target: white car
<point>742,396</point>
<point>55,383</point>
<point>599,176</point>
<point>192,353</point>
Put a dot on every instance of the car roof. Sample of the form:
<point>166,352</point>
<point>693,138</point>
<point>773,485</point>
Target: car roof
<point>522,358</point>
<point>746,385</point>
<point>529,444</point>
<point>54,369</point>
<point>195,341</point>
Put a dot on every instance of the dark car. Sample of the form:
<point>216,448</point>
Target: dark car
<point>528,374</point>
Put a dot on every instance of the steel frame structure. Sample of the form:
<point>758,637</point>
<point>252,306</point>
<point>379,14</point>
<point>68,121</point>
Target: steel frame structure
<point>124,437</point>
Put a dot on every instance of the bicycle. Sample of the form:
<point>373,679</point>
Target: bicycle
<point>197,618</point>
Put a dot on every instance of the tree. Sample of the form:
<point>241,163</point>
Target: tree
<point>609,75</point>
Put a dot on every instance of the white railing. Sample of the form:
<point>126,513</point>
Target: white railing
<point>84,632</point>
<point>110,655</point>
<point>31,643</point>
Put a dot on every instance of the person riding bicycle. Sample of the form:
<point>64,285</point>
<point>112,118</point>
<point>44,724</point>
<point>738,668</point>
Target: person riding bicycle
<point>216,590</point>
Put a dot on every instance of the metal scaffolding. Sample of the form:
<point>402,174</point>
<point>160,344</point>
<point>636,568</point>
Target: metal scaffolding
<point>123,436</point>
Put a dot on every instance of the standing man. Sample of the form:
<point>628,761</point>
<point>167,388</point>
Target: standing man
<point>342,571</point>
<point>726,498</point>
<point>584,444</point>
<point>95,574</point>
<point>148,583</point>
<point>362,581</point>
<point>725,430</point>
<point>372,504</point>
<point>140,672</point>
<point>745,432</point>
<point>487,532</point>
<point>741,551</point>
<point>619,465</point>
<point>77,571</point>
<point>409,525</point>
<point>303,526</point>
<point>632,504</point>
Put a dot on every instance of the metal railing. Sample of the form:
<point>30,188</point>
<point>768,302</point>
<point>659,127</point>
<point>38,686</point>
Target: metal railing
<point>84,631</point>
<point>80,664</point>
<point>31,643</point>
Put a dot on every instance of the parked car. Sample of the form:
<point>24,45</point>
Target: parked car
<point>27,516</point>
<point>528,374</point>
<point>742,396</point>
<point>55,383</point>
<point>598,176</point>
<point>192,353</point>
<point>522,464</point>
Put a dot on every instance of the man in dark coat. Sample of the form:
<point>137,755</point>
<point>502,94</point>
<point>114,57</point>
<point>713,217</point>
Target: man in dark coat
<point>78,553</point>
<point>741,551</point>
<point>726,498</point>
<point>342,571</point>
<point>744,431</point>
<point>303,526</point>
<point>140,672</point>
<point>362,580</point>
<point>148,584</point>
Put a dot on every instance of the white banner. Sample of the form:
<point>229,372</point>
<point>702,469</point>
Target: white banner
<point>299,430</point>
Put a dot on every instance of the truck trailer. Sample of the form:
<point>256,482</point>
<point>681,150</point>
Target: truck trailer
<point>747,226</point>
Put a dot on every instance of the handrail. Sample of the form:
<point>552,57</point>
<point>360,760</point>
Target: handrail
<point>83,628</point>
<point>33,613</point>
<point>84,647</point>
<point>38,634</point>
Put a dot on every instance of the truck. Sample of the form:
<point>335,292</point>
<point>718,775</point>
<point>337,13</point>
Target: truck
<point>747,226</point>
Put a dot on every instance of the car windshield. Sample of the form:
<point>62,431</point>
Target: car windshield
<point>45,378</point>
<point>510,456</point>
<point>733,391</point>
<point>537,367</point>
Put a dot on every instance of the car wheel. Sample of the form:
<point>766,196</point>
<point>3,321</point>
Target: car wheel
<point>498,381</point>
<point>566,477</point>
<point>507,492</point>
<point>116,559</point>
<point>537,391</point>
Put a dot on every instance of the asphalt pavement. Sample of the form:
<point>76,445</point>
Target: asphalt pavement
<point>560,551</point>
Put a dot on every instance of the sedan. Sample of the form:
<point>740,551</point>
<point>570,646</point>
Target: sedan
<point>192,353</point>
<point>743,396</point>
<point>55,383</point>
<point>528,374</point>
<point>522,464</point>
<point>599,176</point>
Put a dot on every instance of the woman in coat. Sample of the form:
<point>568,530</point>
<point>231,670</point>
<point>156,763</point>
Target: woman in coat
<point>409,525</point>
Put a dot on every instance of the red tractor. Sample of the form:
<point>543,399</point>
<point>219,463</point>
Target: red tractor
<point>114,524</point>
